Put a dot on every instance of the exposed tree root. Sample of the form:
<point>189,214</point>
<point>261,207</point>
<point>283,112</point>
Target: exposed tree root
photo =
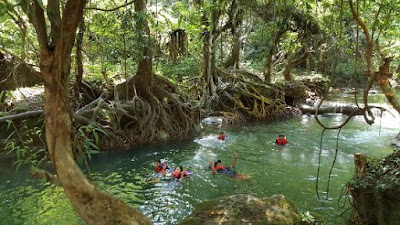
<point>160,114</point>
<point>244,94</point>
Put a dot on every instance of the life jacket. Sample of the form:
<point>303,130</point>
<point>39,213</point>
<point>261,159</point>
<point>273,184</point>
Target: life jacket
<point>178,175</point>
<point>281,142</point>
<point>220,168</point>
<point>160,168</point>
<point>221,137</point>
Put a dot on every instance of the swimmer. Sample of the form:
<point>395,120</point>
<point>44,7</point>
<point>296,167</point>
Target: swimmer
<point>217,167</point>
<point>221,136</point>
<point>179,174</point>
<point>160,167</point>
<point>281,140</point>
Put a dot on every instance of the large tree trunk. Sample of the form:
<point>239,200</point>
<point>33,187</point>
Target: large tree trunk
<point>94,206</point>
<point>144,72</point>
<point>208,76</point>
<point>274,45</point>
<point>234,58</point>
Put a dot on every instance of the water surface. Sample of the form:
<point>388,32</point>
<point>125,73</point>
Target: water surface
<point>289,170</point>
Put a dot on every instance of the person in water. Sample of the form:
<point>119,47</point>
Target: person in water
<point>217,168</point>
<point>179,173</point>
<point>281,140</point>
<point>221,136</point>
<point>160,167</point>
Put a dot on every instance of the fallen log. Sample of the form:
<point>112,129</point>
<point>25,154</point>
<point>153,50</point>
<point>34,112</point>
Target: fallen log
<point>22,116</point>
<point>343,109</point>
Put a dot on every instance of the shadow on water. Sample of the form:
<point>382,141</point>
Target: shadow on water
<point>289,170</point>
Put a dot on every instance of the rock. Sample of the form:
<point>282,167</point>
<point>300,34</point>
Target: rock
<point>164,135</point>
<point>212,120</point>
<point>245,209</point>
<point>376,194</point>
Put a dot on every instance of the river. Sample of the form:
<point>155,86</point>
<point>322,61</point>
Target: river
<point>289,170</point>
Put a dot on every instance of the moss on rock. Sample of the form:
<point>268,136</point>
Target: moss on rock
<point>245,209</point>
<point>376,193</point>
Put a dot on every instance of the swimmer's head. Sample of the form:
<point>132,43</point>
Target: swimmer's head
<point>217,163</point>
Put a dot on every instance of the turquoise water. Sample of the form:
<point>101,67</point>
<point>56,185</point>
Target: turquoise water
<point>289,170</point>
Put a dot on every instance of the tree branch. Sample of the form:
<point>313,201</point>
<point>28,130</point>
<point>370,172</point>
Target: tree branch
<point>71,17</point>
<point>46,176</point>
<point>22,116</point>
<point>36,17</point>
<point>53,13</point>
<point>368,50</point>
<point>110,10</point>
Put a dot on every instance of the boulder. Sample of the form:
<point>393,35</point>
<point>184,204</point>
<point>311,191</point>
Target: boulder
<point>376,193</point>
<point>245,209</point>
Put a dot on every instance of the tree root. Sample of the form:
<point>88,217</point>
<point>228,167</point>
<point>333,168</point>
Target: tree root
<point>245,94</point>
<point>158,115</point>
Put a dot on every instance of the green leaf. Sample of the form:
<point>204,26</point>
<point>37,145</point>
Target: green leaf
<point>9,124</point>
<point>94,146</point>
<point>96,137</point>
<point>10,135</point>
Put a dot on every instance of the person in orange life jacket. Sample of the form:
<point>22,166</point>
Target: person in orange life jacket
<point>160,167</point>
<point>221,136</point>
<point>281,140</point>
<point>179,173</point>
<point>217,167</point>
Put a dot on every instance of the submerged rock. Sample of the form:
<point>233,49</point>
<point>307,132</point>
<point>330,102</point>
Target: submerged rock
<point>245,209</point>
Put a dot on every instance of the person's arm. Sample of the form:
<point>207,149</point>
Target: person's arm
<point>234,161</point>
<point>212,167</point>
<point>182,175</point>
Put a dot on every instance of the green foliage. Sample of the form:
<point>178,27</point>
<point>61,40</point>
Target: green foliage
<point>181,70</point>
<point>86,142</point>
<point>4,95</point>
<point>24,144</point>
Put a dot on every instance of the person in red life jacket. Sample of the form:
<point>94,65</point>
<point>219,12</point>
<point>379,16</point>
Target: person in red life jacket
<point>221,136</point>
<point>160,167</point>
<point>217,168</point>
<point>281,140</point>
<point>179,173</point>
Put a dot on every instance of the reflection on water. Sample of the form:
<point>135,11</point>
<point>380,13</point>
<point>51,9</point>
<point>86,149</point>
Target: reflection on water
<point>289,170</point>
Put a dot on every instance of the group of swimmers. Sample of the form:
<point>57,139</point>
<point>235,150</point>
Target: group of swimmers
<point>280,140</point>
<point>216,167</point>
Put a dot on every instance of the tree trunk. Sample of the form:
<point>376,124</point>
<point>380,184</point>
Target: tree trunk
<point>144,74</point>
<point>94,206</point>
<point>292,64</point>
<point>234,58</point>
<point>78,61</point>
<point>208,76</point>
<point>268,67</point>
